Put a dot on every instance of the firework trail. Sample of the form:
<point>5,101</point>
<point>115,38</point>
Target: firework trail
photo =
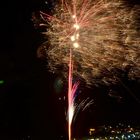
<point>71,92</point>
<point>103,35</point>
<point>74,108</point>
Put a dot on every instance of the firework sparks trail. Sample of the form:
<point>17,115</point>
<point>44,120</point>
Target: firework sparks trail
<point>71,92</point>
<point>103,35</point>
<point>73,108</point>
<point>82,106</point>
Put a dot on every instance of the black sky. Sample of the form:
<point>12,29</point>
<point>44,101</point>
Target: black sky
<point>29,106</point>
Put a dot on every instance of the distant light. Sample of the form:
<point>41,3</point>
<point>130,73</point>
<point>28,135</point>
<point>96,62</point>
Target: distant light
<point>91,131</point>
<point>133,136</point>
<point>1,81</point>
<point>122,136</point>
<point>46,2</point>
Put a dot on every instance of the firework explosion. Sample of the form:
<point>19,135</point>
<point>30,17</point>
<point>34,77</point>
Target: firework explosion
<point>103,35</point>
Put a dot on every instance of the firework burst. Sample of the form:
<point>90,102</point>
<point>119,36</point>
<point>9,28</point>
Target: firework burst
<point>103,35</point>
<point>104,38</point>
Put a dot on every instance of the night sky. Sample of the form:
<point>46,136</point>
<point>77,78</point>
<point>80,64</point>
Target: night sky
<point>31,107</point>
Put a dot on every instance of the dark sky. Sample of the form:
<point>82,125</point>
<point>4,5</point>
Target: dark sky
<point>29,105</point>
